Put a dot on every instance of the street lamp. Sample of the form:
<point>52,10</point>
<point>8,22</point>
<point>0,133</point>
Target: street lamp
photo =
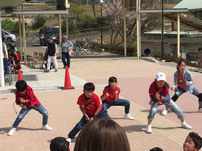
<point>162,32</point>
<point>101,36</point>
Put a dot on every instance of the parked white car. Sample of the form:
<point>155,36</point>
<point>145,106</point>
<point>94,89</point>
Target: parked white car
<point>8,36</point>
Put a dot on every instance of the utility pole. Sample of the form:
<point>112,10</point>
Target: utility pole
<point>125,37</point>
<point>101,30</point>
<point>1,58</point>
<point>67,20</point>
<point>162,36</point>
<point>138,29</point>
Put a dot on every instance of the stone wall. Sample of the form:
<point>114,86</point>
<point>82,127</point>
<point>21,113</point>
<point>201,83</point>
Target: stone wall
<point>32,36</point>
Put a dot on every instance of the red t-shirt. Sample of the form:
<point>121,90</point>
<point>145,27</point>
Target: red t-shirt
<point>111,93</point>
<point>29,96</point>
<point>89,105</point>
<point>180,81</point>
<point>153,90</point>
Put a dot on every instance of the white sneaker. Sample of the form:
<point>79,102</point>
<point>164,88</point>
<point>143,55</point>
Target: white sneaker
<point>149,129</point>
<point>127,116</point>
<point>69,140</point>
<point>200,110</point>
<point>185,125</point>
<point>12,131</point>
<point>164,112</point>
<point>47,127</point>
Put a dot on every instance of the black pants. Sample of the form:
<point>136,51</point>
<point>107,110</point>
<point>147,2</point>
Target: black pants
<point>65,55</point>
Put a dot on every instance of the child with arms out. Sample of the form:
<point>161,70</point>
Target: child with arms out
<point>184,82</point>
<point>159,94</point>
<point>90,106</point>
<point>110,97</point>
<point>27,100</point>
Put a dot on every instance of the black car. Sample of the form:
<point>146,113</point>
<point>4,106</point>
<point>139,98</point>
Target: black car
<point>48,31</point>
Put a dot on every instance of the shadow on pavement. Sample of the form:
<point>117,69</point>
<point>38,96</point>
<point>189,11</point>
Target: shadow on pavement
<point>132,128</point>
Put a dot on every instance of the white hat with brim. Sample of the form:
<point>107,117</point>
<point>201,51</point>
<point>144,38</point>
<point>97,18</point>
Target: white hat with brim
<point>160,76</point>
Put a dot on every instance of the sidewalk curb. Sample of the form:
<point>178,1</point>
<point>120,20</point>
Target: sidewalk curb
<point>150,59</point>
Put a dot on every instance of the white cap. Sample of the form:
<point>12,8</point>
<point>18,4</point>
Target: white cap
<point>160,76</point>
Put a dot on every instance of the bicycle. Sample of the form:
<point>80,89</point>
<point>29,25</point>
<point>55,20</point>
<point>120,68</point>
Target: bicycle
<point>83,47</point>
<point>95,48</point>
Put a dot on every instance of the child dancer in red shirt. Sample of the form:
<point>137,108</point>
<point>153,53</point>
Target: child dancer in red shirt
<point>26,99</point>
<point>91,107</point>
<point>159,94</point>
<point>184,82</point>
<point>110,97</point>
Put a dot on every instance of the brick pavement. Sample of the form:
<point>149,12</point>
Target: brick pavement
<point>134,78</point>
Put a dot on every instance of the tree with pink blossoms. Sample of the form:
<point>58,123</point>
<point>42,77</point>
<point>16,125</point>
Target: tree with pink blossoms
<point>113,17</point>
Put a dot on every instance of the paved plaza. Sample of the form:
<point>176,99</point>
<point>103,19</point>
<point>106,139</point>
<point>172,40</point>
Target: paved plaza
<point>134,77</point>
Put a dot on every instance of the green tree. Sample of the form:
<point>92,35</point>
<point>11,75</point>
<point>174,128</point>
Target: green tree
<point>86,21</point>
<point>16,27</point>
<point>38,22</point>
<point>78,20</point>
<point>7,25</point>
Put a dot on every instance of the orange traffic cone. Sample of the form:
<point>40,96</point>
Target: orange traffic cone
<point>19,75</point>
<point>67,84</point>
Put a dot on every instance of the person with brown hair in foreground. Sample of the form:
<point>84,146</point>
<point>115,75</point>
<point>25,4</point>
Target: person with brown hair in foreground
<point>102,134</point>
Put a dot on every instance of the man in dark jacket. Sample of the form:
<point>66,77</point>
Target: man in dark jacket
<point>52,54</point>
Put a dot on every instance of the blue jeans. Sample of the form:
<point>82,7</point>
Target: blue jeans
<point>180,91</point>
<point>23,112</point>
<point>172,105</point>
<point>64,57</point>
<point>6,64</point>
<point>119,102</point>
<point>83,122</point>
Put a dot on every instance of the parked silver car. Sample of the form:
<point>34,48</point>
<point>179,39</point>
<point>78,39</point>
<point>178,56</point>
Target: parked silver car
<point>8,36</point>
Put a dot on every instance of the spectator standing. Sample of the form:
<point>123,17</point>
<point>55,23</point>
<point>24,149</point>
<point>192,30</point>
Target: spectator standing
<point>52,55</point>
<point>67,47</point>
<point>200,56</point>
<point>5,57</point>
<point>174,51</point>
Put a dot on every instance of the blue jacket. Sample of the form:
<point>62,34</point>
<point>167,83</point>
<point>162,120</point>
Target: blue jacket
<point>187,76</point>
<point>65,46</point>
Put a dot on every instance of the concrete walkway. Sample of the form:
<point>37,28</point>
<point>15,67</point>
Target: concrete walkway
<point>134,77</point>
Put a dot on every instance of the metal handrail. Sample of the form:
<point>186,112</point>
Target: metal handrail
<point>191,17</point>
